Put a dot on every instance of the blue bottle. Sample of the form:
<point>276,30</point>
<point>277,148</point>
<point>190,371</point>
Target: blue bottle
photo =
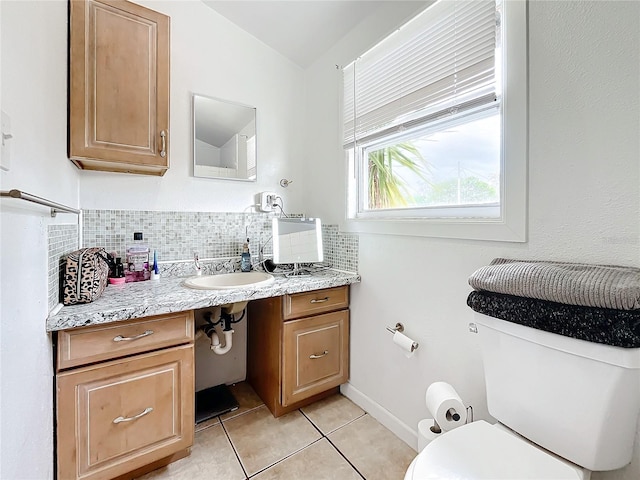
<point>245,259</point>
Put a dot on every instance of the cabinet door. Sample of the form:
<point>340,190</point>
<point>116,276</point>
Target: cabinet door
<point>119,87</point>
<point>315,355</point>
<point>118,416</point>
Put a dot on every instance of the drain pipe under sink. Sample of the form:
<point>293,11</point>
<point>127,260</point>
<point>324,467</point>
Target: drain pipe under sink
<point>214,334</point>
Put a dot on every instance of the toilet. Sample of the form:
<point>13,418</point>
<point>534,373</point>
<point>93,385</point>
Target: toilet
<point>565,407</point>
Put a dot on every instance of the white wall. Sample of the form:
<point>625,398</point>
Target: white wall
<point>584,205</point>
<point>1,156</point>
<point>34,87</point>
<point>210,56</point>
<point>213,57</point>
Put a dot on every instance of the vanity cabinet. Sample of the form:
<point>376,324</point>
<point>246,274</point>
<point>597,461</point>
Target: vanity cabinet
<point>118,87</point>
<point>124,397</point>
<point>298,347</point>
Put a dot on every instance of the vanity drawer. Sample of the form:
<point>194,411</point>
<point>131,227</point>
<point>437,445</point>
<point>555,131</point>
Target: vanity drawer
<point>318,301</point>
<point>84,345</point>
<point>315,355</point>
<point>115,417</point>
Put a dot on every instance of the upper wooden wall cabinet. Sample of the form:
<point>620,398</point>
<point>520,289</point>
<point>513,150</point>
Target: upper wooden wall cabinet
<point>118,87</point>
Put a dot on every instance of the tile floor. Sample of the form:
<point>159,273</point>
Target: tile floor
<point>331,439</point>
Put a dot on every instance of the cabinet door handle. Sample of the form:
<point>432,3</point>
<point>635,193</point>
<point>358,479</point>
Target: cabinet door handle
<point>163,141</point>
<point>120,338</point>
<point>320,300</point>
<point>318,355</point>
<point>135,417</point>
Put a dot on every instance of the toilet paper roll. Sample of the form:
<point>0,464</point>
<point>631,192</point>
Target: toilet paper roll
<point>445,405</point>
<point>425,433</point>
<point>404,342</point>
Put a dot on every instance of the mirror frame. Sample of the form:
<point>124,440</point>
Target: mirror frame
<point>199,167</point>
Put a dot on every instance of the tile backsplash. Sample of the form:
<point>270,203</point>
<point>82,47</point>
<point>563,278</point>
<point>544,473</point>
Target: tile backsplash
<point>177,235</point>
<point>62,239</point>
<point>340,249</point>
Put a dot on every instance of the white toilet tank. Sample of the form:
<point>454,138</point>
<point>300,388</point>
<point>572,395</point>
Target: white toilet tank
<point>575,398</point>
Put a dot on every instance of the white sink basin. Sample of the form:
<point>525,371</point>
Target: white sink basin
<point>229,280</point>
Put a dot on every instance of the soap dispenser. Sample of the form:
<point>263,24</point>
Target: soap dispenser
<point>137,260</point>
<point>245,260</point>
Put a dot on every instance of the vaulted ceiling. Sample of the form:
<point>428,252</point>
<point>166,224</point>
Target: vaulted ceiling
<point>301,30</point>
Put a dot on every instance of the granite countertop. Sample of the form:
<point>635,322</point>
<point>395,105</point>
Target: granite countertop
<point>142,299</point>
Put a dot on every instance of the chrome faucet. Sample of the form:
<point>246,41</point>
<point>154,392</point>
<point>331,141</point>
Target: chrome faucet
<point>196,260</point>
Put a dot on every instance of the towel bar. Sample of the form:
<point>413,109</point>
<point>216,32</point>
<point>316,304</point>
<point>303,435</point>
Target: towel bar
<point>55,207</point>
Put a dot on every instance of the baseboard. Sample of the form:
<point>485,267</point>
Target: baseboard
<point>381,414</point>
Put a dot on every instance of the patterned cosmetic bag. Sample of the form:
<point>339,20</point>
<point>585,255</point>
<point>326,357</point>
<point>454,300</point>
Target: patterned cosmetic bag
<point>85,276</point>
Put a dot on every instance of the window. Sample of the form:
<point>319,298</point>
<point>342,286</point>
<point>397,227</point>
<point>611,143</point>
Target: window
<point>435,125</point>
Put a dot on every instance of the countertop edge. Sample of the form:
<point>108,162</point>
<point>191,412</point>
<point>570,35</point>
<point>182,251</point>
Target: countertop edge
<point>144,299</point>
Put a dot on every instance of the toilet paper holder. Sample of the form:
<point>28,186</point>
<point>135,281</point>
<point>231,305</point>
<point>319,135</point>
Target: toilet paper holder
<point>435,428</point>
<point>398,328</point>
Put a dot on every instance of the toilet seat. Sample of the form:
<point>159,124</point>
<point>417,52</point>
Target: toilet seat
<point>480,450</point>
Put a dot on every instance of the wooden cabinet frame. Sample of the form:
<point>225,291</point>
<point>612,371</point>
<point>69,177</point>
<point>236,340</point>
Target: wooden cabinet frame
<point>273,360</point>
<point>118,87</point>
<point>127,404</point>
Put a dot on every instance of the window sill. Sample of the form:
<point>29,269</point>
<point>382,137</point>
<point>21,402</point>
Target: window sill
<point>513,230</point>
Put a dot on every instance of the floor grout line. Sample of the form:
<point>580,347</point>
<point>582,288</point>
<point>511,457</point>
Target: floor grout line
<point>202,429</point>
<point>315,449</point>
<point>247,476</point>
<point>346,459</point>
<point>297,451</point>
<point>288,456</point>
<point>347,424</point>
<point>234,449</point>
<point>323,435</point>
<point>332,444</point>
<point>311,422</point>
<point>239,414</point>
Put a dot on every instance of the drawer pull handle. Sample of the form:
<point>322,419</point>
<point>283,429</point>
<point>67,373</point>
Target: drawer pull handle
<point>320,300</point>
<point>135,417</point>
<point>315,355</point>
<point>120,338</point>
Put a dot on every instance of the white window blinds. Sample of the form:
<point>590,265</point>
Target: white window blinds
<point>440,63</point>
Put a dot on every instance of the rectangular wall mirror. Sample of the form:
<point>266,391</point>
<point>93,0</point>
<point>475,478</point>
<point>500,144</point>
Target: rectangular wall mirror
<point>224,139</point>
